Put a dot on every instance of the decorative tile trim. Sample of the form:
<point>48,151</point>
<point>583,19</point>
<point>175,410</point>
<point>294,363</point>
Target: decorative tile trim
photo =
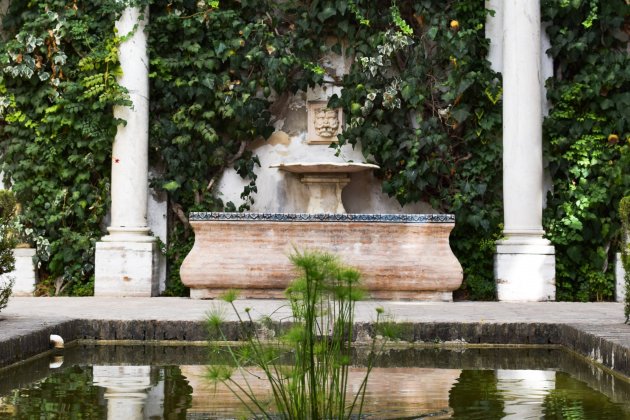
<point>327,217</point>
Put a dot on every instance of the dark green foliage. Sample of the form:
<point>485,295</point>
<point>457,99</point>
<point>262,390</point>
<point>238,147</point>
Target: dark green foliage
<point>8,205</point>
<point>433,124</point>
<point>427,110</point>
<point>587,136</point>
<point>7,243</point>
<point>180,246</point>
<point>67,393</point>
<point>211,75</point>
<point>57,91</point>
<point>624,215</point>
<point>419,98</point>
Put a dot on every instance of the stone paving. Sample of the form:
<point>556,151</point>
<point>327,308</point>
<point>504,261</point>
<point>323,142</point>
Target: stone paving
<point>596,330</point>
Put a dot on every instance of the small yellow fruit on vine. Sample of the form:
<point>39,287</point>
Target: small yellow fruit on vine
<point>355,108</point>
<point>613,139</point>
<point>454,24</point>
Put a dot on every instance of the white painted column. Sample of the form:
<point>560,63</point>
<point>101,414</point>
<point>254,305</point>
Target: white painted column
<point>525,261</point>
<point>126,258</point>
<point>494,32</point>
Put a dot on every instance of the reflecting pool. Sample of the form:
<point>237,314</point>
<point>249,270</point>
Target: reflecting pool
<point>168,382</point>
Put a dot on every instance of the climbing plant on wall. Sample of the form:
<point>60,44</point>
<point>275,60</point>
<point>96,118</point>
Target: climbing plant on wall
<point>419,97</point>
<point>57,89</point>
<point>420,100</point>
<point>428,111</point>
<point>587,138</point>
<point>426,108</point>
<point>212,73</point>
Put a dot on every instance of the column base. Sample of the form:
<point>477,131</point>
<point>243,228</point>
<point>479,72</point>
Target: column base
<point>126,269</point>
<point>24,274</point>
<point>128,234</point>
<point>525,270</point>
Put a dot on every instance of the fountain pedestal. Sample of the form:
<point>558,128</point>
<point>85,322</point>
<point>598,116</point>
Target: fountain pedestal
<point>324,192</point>
<point>324,182</point>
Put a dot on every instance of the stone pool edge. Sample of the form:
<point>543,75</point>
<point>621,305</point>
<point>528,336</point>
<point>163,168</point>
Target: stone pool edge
<point>592,341</point>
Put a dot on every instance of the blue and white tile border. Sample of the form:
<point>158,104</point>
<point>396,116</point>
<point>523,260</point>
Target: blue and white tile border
<point>325,217</point>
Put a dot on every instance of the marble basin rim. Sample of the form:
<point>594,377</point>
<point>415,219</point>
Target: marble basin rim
<point>324,167</point>
<point>400,256</point>
<point>324,182</point>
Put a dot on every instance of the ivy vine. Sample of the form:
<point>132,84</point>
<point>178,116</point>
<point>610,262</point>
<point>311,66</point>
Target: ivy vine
<point>421,103</point>
<point>419,97</point>
<point>57,91</point>
<point>587,138</point>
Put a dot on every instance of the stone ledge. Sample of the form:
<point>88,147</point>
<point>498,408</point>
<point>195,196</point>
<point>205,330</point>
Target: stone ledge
<point>606,346</point>
<point>323,217</point>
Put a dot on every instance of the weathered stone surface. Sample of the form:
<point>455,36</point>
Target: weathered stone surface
<point>22,339</point>
<point>24,274</point>
<point>126,269</point>
<point>397,260</point>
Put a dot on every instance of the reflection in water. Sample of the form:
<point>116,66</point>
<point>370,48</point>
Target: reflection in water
<point>152,382</point>
<point>524,391</point>
<point>126,390</point>
<point>475,396</point>
<point>391,392</point>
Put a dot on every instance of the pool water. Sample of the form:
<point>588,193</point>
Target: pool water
<point>167,382</point>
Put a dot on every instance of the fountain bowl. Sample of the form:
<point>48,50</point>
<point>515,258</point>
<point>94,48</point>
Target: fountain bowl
<point>324,167</point>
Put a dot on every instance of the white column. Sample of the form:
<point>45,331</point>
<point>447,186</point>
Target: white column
<point>130,164</point>
<point>126,258</point>
<point>525,261</point>
<point>494,32</point>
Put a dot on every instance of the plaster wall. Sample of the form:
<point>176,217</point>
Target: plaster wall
<point>283,192</point>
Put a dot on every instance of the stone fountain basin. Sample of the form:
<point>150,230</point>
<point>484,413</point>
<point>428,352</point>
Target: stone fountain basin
<point>324,167</point>
<point>401,257</point>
